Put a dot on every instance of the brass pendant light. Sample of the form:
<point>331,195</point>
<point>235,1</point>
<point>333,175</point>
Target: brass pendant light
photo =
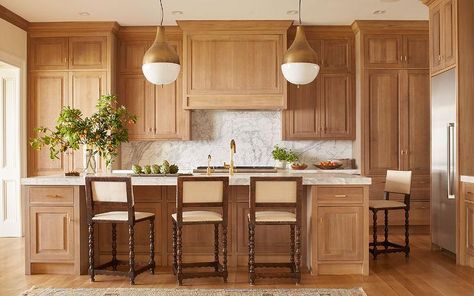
<point>161,62</point>
<point>300,61</point>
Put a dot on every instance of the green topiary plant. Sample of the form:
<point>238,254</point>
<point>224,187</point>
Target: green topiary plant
<point>283,154</point>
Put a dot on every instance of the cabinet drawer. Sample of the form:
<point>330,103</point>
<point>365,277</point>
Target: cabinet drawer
<point>340,194</point>
<point>469,191</point>
<point>51,195</point>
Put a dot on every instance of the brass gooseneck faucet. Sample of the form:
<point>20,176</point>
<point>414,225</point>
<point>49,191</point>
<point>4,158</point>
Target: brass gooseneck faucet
<point>232,152</point>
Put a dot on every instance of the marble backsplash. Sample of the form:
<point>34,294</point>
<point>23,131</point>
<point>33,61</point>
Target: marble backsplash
<point>255,133</point>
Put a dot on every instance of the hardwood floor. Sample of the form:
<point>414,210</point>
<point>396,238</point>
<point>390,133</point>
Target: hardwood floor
<point>425,273</point>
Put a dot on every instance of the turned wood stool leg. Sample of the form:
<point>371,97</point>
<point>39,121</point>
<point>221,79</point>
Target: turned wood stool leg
<point>114,246</point>
<point>216,247</point>
<point>298,253</point>
<point>91,252</point>
<point>179,272</point>
<point>251,254</point>
<point>292,247</point>
<point>152,246</point>
<point>131,254</point>
<point>175,252</point>
<point>385,243</point>
<point>407,233</point>
<point>224,252</point>
<point>374,249</point>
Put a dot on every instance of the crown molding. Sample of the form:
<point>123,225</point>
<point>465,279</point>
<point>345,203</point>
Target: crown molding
<point>375,25</point>
<point>13,18</point>
<point>235,25</point>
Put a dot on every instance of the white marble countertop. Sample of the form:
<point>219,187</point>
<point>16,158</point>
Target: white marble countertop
<point>320,178</point>
<point>467,179</point>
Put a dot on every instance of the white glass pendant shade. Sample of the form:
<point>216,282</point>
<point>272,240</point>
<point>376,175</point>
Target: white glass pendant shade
<point>161,62</point>
<point>299,62</point>
<point>300,73</point>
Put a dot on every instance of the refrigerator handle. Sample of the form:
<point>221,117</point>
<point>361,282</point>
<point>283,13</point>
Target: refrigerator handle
<point>450,156</point>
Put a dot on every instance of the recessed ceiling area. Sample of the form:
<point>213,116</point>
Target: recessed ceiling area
<point>147,12</point>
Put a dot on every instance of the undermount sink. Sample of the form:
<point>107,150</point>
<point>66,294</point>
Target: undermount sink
<point>237,169</point>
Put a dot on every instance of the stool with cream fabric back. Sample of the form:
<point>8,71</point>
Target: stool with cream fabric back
<point>397,182</point>
<point>198,192</point>
<point>116,191</point>
<point>276,192</point>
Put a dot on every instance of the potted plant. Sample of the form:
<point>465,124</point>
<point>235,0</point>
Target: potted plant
<point>282,156</point>
<point>100,134</point>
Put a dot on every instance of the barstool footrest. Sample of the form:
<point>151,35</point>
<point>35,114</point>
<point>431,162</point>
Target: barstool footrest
<point>289,275</point>
<point>201,264</point>
<point>274,265</point>
<point>392,248</point>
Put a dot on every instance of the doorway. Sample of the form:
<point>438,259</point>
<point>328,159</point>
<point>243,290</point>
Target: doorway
<point>10,151</point>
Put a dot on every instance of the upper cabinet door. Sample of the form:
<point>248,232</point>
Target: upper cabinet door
<point>49,53</point>
<point>337,104</point>
<point>336,55</point>
<point>384,51</point>
<point>303,116</point>
<point>415,122</point>
<point>448,11</point>
<point>416,51</point>
<point>435,38</point>
<point>48,94</point>
<point>381,120</point>
<point>131,54</point>
<point>88,52</point>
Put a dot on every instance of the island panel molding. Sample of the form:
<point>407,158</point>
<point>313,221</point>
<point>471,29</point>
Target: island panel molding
<point>234,64</point>
<point>63,249</point>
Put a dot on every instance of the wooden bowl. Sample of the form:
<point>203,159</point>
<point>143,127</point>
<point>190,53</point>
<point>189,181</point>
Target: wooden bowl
<point>328,167</point>
<point>299,167</point>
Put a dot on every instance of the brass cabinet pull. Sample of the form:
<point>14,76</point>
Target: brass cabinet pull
<point>469,192</point>
<point>340,195</point>
<point>54,196</point>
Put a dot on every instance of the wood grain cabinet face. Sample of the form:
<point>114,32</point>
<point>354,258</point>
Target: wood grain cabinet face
<point>337,103</point>
<point>49,53</point>
<point>49,93</point>
<point>448,27</point>
<point>435,38</point>
<point>469,206</point>
<point>131,54</point>
<point>382,121</point>
<point>336,55</point>
<point>416,51</point>
<point>87,52</point>
<point>340,233</point>
<point>52,233</point>
<point>86,88</point>
<point>384,50</point>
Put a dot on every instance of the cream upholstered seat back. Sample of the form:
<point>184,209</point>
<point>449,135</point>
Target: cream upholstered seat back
<point>103,191</point>
<point>276,191</point>
<point>203,191</point>
<point>398,182</point>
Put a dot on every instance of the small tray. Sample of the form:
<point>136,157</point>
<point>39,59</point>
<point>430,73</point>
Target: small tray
<point>328,167</point>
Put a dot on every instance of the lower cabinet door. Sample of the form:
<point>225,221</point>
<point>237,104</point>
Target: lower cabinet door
<point>340,233</point>
<point>470,228</point>
<point>52,234</point>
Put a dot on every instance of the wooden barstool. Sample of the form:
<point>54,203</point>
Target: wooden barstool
<point>200,192</point>
<point>397,182</point>
<point>276,192</point>
<point>116,191</point>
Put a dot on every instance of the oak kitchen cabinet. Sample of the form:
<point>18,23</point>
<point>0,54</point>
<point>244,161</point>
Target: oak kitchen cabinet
<point>443,24</point>
<point>394,89</point>
<point>53,234</point>
<point>69,65</point>
<point>159,108</point>
<point>234,64</point>
<point>325,108</point>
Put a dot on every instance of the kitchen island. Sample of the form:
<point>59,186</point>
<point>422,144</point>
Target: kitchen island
<point>335,228</point>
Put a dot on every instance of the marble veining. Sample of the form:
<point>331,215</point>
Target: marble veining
<point>255,132</point>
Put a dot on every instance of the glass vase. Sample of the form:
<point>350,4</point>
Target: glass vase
<point>90,161</point>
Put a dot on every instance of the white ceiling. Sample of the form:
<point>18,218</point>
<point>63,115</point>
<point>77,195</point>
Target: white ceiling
<point>146,12</point>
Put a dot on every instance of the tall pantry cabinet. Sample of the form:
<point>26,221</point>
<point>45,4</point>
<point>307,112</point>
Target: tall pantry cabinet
<point>69,64</point>
<point>393,94</point>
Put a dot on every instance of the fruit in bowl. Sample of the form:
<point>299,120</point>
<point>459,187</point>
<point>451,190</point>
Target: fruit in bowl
<point>328,165</point>
<point>299,166</point>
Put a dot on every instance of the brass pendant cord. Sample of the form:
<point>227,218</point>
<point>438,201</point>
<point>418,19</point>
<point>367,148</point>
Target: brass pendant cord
<point>299,11</point>
<point>161,5</point>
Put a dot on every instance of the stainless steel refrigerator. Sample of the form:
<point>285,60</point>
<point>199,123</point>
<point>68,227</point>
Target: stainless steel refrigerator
<point>443,160</point>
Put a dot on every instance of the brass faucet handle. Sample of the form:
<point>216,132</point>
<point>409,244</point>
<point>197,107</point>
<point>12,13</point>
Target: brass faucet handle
<point>226,165</point>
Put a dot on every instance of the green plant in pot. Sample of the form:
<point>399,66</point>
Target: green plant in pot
<point>282,156</point>
<point>100,134</point>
